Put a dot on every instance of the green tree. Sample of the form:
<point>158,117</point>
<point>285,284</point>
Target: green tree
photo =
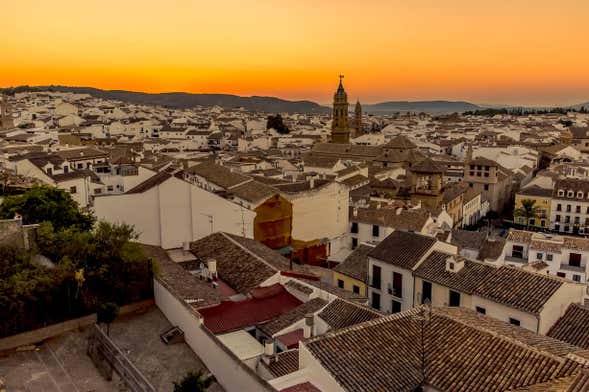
<point>528,210</point>
<point>277,123</point>
<point>106,314</point>
<point>43,203</point>
<point>194,382</point>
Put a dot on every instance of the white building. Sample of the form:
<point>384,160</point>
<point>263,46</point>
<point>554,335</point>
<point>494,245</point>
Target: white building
<point>170,212</point>
<point>390,269</point>
<point>566,257</point>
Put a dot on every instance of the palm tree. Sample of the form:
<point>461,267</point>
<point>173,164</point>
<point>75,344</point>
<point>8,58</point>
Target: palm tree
<point>194,382</point>
<point>528,210</point>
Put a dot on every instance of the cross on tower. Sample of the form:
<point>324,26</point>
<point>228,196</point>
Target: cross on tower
<point>341,77</point>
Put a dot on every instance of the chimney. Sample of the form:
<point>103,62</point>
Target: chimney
<point>312,183</point>
<point>399,210</point>
<point>269,347</point>
<point>308,327</point>
<point>454,264</point>
<point>355,212</point>
<point>212,267</point>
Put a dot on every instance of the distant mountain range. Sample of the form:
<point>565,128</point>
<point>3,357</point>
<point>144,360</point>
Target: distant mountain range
<point>179,100</point>
<point>434,107</point>
<point>188,100</point>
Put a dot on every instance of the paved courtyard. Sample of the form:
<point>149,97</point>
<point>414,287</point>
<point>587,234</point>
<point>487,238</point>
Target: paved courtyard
<point>61,363</point>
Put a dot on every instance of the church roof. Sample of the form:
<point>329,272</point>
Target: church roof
<point>401,142</point>
<point>427,165</point>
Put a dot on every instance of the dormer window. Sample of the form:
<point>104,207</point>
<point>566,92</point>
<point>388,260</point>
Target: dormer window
<point>579,195</point>
<point>560,192</point>
<point>570,194</point>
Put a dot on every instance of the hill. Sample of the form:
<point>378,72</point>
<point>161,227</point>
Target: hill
<point>178,100</point>
<point>434,107</point>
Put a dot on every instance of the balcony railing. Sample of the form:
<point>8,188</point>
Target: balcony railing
<point>516,260</point>
<point>572,268</point>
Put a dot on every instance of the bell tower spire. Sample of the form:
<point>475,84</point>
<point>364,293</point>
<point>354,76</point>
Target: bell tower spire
<point>340,133</point>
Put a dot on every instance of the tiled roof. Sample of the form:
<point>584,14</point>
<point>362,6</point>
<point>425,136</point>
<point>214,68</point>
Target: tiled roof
<point>181,282</point>
<point>491,249</point>
<point>302,387</point>
<point>408,220</point>
<point>218,175</point>
<point>433,269</point>
<point>573,326</point>
<point>535,190</point>
<point>241,267</point>
<point>289,318</point>
<point>254,191</point>
<point>402,249</point>
<point>153,181</point>
<point>519,289</point>
<point>230,315</point>
<point>428,165</point>
<point>340,314</point>
<point>520,236</point>
<point>465,239</point>
<point>385,354</point>
<point>400,142</point>
<point>287,362</point>
<point>356,264</point>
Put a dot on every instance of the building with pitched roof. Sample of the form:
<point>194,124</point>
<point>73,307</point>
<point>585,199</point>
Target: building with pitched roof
<point>390,268</point>
<point>169,212</point>
<point>442,349</point>
<point>563,256</point>
<point>527,299</point>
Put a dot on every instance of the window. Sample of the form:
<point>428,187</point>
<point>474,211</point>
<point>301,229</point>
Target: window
<point>375,230</point>
<point>513,321</point>
<point>570,193</point>
<point>454,298</point>
<point>560,192</point>
<point>97,191</point>
<point>395,307</point>
<point>109,188</point>
<point>49,171</point>
<point>486,187</point>
<point>354,228</point>
<point>73,189</point>
<point>376,276</point>
<point>575,259</point>
<point>356,289</point>
<point>340,283</point>
<point>578,209</point>
<point>558,218</point>
<point>481,310</point>
<point>557,227</point>
<point>426,291</point>
<point>568,208</point>
<point>376,300</point>
<point>561,274</point>
<point>579,195</point>
<point>80,165</point>
<point>354,243</point>
<point>567,219</point>
<point>577,278</point>
<point>397,285</point>
<point>517,251</point>
<point>539,256</point>
<point>549,256</point>
<point>577,220</point>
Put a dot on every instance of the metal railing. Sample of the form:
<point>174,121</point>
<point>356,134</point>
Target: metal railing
<point>134,379</point>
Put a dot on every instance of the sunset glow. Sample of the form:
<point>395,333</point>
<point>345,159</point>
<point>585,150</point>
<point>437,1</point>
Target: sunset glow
<point>512,52</point>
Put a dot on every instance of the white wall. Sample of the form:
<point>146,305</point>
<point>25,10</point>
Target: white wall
<point>175,212</point>
<point>230,372</point>
<point>320,213</point>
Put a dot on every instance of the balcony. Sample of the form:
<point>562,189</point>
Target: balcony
<point>573,268</point>
<point>517,260</point>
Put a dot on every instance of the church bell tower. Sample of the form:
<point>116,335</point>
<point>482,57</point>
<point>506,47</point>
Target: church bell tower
<point>340,132</point>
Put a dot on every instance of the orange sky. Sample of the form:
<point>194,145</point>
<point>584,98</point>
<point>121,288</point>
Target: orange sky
<point>502,51</point>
